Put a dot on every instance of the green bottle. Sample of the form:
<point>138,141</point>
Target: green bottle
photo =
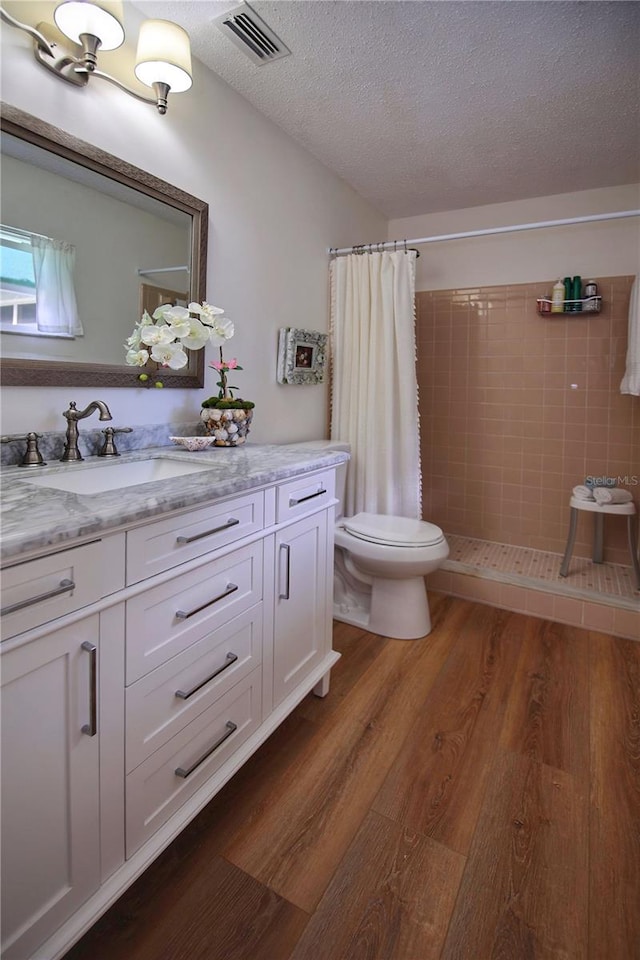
<point>568,294</point>
<point>577,294</point>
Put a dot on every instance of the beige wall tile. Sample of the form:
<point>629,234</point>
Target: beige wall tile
<point>626,623</point>
<point>497,406</point>
<point>568,610</point>
<point>596,616</point>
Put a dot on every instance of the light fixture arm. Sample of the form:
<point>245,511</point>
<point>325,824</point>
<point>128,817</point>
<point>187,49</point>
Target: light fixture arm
<point>76,64</point>
<point>161,89</point>
<point>39,38</point>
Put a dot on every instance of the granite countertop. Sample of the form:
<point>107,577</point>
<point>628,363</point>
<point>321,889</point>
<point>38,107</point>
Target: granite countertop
<point>36,518</point>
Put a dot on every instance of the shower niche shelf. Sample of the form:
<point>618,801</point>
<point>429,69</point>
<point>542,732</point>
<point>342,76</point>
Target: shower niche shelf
<point>588,305</point>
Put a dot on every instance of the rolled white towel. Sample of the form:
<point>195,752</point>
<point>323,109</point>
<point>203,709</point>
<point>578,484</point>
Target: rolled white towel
<point>583,492</point>
<point>611,495</point>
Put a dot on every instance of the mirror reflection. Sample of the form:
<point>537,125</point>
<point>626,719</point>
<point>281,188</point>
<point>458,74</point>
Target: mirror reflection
<point>81,257</point>
<point>87,243</point>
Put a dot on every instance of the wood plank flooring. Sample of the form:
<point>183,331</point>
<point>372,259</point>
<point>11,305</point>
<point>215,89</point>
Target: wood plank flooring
<point>471,796</point>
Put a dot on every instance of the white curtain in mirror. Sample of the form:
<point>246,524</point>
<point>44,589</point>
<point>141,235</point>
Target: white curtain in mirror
<point>56,307</point>
<point>375,389</point>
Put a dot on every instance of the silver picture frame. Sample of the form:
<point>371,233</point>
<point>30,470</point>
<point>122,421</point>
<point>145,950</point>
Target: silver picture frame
<point>302,356</point>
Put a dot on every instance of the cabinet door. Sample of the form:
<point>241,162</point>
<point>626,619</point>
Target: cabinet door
<point>50,784</point>
<point>301,607</point>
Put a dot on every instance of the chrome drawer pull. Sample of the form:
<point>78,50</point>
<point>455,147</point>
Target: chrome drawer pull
<point>91,728</point>
<point>65,587</point>
<point>230,658</point>
<point>294,503</point>
<point>231,522</point>
<point>182,615</point>
<point>287,589</point>
<point>181,772</point>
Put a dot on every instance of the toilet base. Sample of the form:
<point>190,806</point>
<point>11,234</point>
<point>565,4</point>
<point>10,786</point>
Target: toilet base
<point>398,609</point>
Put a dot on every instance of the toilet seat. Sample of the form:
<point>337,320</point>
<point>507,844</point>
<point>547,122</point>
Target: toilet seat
<point>393,531</point>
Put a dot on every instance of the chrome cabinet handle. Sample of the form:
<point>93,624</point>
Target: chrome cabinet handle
<point>230,588</point>
<point>293,502</point>
<point>65,587</point>
<point>286,594</point>
<point>91,728</point>
<point>229,659</point>
<point>183,774</point>
<point>231,522</point>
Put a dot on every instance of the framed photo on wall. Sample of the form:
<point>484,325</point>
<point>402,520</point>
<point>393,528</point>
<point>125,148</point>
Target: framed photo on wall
<point>301,356</point>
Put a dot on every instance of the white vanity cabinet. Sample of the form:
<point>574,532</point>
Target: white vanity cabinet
<point>300,632</point>
<point>50,783</point>
<point>129,700</point>
<point>304,579</point>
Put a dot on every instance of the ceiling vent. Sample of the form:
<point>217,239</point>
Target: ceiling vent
<point>251,34</point>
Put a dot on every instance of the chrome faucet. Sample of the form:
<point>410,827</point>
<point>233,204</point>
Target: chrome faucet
<point>72,415</point>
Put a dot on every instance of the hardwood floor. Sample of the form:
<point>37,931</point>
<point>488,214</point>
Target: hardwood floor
<point>471,796</point>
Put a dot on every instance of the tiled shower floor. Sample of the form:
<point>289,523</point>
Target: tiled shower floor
<point>608,583</point>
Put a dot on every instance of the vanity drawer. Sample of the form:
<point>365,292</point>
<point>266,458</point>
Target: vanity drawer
<point>168,698</point>
<point>162,545</point>
<point>305,494</point>
<point>37,591</point>
<point>160,785</point>
<point>165,620</point>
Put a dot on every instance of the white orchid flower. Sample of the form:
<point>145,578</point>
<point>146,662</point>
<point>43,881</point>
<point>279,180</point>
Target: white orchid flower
<point>166,335</point>
<point>137,358</point>
<point>182,327</point>
<point>133,342</point>
<point>167,310</point>
<point>197,335</point>
<point>170,355</point>
<point>174,314</point>
<point>223,330</point>
<point>206,311</point>
<point>151,336</point>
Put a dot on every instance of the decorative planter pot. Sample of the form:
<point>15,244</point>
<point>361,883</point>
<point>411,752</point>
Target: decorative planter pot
<point>228,426</point>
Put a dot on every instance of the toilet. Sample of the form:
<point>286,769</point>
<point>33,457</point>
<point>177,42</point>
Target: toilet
<point>379,565</point>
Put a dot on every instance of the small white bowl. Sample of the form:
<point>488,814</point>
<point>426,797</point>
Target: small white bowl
<point>193,444</point>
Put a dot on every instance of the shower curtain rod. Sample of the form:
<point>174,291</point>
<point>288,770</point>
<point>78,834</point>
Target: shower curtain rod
<point>403,244</point>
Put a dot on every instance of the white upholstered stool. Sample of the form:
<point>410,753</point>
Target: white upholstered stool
<point>599,510</point>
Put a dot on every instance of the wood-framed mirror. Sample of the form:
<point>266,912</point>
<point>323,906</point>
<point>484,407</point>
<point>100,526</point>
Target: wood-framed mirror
<point>137,240</point>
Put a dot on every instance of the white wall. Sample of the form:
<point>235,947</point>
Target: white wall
<point>604,249</point>
<point>274,211</point>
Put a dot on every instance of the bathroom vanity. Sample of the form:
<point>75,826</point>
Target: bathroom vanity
<point>154,634</point>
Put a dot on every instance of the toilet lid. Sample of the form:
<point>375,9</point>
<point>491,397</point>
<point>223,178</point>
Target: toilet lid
<point>393,531</point>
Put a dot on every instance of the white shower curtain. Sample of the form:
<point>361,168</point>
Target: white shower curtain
<point>631,380</point>
<point>56,307</point>
<point>374,385</point>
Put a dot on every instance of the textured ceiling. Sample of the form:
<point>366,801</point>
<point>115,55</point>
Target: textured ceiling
<point>429,105</point>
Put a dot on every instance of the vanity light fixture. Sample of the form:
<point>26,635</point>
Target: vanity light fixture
<point>163,59</point>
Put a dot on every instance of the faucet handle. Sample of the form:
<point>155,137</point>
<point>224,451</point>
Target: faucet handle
<point>108,448</point>
<point>32,456</point>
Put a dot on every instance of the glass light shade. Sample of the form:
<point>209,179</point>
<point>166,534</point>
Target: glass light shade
<point>102,19</point>
<point>164,55</point>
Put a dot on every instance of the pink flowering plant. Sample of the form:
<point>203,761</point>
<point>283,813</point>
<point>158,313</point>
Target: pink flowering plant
<point>165,336</point>
<point>223,367</point>
<point>226,398</point>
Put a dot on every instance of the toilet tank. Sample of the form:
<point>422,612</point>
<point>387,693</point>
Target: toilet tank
<point>341,469</point>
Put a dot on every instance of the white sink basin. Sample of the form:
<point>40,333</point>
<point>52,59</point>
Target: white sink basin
<point>115,476</point>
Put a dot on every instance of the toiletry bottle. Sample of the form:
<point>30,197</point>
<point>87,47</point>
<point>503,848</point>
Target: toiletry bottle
<point>557,297</point>
<point>590,293</point>
<point>577,294</point>
<point>568,294</point>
